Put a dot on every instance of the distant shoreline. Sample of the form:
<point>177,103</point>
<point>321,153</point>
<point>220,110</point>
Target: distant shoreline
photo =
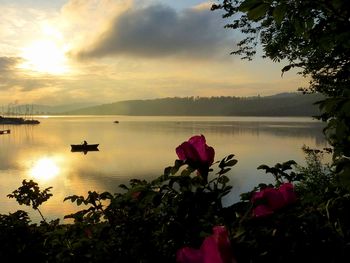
<point>280,105</point>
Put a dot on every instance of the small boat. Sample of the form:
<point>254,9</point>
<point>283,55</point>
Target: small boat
<point>84,147</point>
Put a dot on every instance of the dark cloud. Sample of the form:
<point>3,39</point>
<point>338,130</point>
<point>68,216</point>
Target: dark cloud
<point>7,72</point>
<point>12,77</point>
<point>8,63</point>
<point>159,31</point>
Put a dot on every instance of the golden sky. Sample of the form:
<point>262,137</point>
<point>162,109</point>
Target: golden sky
<point>101,51</point>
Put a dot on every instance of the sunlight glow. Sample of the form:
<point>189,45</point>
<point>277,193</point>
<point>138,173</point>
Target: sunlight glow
<point>45,169</point>
<point>45,56</point>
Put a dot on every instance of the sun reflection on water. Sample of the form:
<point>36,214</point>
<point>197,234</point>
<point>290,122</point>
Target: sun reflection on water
<point>44,169</point>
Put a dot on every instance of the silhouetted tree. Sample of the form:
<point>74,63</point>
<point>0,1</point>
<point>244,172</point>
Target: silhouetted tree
<point>313,36</point>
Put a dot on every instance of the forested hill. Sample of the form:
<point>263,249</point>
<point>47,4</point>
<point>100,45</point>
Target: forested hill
<point>289,104</point>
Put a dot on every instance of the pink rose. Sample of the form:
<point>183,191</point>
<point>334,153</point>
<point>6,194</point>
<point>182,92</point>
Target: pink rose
<point>270,199</point>
<point>262,210</point>
<point>189,255</point>
<point>288,193</point>
<point>274,198</point>
<point>215,248</point>
<point>196,152</point>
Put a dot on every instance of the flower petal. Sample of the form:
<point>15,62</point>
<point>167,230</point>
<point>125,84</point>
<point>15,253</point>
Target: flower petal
<point>210,251</point>
<point>262,210</point>
<point>287,191</point>
<point>189,255</point>
<point>186,151</point>
<point>220,234</point>
<point>274,197</point>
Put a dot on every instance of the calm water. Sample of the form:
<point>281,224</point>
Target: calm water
<point>140,147</point>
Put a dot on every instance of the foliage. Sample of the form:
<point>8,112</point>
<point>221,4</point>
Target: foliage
<point>171,211</point>
<point>215,248</point>
<point>314,36</point>
<point>29,194</point>
<point>318,179</point>
<point>309,217</point>
<point>314,229</point>
<point>19,240</point>
<point>175,214</point>
<point>276,105</point>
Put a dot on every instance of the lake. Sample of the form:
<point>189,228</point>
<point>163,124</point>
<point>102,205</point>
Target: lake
<point>140,147</point>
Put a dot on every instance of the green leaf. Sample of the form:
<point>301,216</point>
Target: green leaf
<point>123,186</point>
<point>344,177</point>
<point>298,26</point>
<point>258,12</point>
<point>310,23</point>
<point>178,164</point>
<point>263,167</point>
<point>222,163</point>
<point>345,109</point>
<point>106,195</point>
<point>72,198</point>
<point>288,165</point>
<point>223,179</point>
<point>187,172</point>
<point>223,171</point>
<point>231,162</point>
<point>286,68</point>
<point>229,157</point>
<point>249,4</point>
<point>174,170</point>
<point>279,13</point>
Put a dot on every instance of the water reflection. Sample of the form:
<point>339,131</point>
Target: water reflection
<point>44,169</point>
<point>141,147</point>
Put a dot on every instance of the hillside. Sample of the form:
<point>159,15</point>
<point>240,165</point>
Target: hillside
<point>289,104</point>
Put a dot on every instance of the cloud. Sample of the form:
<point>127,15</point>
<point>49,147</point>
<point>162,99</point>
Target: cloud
<point>8,63</point>
<point>161,31</point>
<point>203,6</point>
<point>80,20</point>
<point>13,78</point>
<point>8,72</point>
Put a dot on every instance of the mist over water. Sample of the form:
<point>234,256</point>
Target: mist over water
<point>140,147</point>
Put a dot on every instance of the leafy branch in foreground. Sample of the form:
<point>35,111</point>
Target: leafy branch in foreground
<point>96,210</point>
<point>303,216</point>
<point>312,36</point>
<point>29,194</point>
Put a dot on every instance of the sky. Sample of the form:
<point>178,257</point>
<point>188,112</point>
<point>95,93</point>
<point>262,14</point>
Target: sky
<point>102,51</point>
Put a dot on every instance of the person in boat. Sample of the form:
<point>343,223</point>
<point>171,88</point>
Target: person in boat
<point>85,143</point>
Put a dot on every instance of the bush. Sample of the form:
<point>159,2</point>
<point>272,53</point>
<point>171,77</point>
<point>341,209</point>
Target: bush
<point>303,216</point>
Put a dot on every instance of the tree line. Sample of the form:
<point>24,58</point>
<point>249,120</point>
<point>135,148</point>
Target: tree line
<point>293,104</point>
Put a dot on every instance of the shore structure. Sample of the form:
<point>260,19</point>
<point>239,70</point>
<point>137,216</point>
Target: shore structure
<point>17,120</point>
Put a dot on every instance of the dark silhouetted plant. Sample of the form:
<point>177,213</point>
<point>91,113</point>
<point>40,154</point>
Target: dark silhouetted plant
<point>29,194</point>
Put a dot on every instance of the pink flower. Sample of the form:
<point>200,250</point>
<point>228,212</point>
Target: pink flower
<point>189,255</point>
<point>288,193</point>
<point>262,210</point>
<point>215,248</point>
<point>196,152</point>
<point>270,199</point>
<point>274,198</point>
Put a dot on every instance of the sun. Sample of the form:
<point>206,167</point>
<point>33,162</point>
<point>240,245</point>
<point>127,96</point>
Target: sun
<point>45,169</point>
<point>45,56</point>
